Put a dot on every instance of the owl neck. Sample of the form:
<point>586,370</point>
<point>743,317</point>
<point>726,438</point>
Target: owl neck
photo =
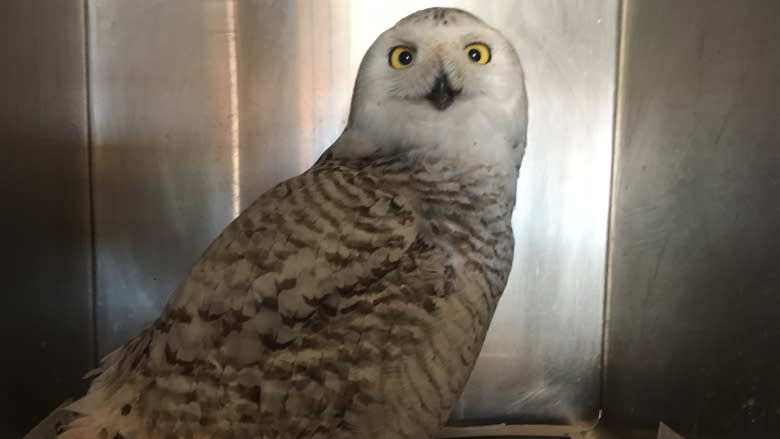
<point>457,147</point>
<point>482,176</point>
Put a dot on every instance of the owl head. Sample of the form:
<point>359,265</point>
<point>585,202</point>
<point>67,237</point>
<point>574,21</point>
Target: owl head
<point>440,81</point>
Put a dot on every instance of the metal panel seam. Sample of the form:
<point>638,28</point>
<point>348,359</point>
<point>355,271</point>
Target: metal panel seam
<point>86,22</point>
<point>617,120</point>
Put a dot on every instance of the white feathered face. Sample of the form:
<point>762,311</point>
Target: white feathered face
<point>441,76</point>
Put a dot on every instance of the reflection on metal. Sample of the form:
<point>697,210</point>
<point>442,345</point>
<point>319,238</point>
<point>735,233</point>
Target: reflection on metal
<point>200,106</point>
<point>46,328</point>
<point>580,431</point>
<point>694,315</point>
<point>664,432</point>
<point>234,116</point>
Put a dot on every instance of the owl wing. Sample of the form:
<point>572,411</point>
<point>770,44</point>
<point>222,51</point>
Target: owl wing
<point>294,257</point>
<point>259,313</point>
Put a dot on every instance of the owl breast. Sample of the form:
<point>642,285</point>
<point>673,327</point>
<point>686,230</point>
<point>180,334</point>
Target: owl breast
<point>459,266</point>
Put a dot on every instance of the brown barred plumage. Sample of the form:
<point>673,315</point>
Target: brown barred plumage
<point>348,302</point>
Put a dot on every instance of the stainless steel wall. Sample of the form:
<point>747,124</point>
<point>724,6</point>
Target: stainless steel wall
<point>200,106</point>
<point>693,326</point>
<point>46,330</point>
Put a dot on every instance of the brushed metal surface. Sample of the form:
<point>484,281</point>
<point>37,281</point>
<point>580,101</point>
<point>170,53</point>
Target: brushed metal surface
<point>200,106</point>
<point>694,306</point>
<point>541,360</point>
<point>162,115</point>
<point>46,329</point>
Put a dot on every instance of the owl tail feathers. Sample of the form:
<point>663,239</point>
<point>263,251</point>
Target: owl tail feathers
<point>64,423</point>
<point>97,415</point>
<point>79,430</point>
<point>85,422</point>
<point>74,420</point>
<point>51,424</point>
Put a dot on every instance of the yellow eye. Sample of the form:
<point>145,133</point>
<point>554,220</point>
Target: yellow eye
<point>401,57</point>
<point>478,53</point>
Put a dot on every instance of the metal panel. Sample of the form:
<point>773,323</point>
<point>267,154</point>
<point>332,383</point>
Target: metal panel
<point>694,310</point>
<point>199,106</point>
<point>45,299</point>
<point>162,137</point>
<point>541,360</point>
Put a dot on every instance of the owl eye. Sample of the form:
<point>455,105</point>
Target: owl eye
<point>478,53</point>
<point>401,57</point>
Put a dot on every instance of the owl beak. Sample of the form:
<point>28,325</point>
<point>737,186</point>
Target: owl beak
<point>442,94</point>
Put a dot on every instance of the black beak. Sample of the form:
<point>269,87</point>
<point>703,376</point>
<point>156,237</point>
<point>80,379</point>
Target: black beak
<point>442,94</point>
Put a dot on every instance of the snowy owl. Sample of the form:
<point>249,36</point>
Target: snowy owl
<point>350,301</point>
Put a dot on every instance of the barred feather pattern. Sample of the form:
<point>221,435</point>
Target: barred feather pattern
<point>348,302</point>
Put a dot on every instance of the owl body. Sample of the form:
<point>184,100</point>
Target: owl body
<point>333,351</point>
<point>350,301</point>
